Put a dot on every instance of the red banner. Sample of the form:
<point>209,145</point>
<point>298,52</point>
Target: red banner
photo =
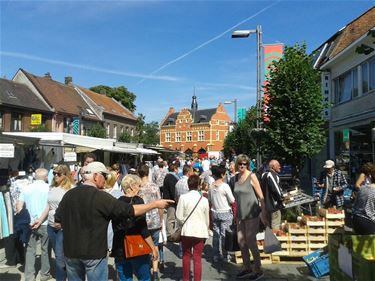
<point>272,53</point>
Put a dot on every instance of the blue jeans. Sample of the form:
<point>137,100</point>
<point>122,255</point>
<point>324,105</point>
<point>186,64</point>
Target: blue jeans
<point>94,269</point>
<point>56,238</point>
<point>139,266</point>
<point>220,223</point>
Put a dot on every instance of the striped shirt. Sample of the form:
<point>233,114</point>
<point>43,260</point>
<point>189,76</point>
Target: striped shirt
<point>364,205</point>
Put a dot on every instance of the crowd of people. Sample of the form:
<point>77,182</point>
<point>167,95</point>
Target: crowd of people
<point>85,217</point>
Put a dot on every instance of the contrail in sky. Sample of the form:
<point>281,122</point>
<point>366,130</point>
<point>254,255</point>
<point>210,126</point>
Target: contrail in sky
<point>208,42</point>
<point>87,67</point>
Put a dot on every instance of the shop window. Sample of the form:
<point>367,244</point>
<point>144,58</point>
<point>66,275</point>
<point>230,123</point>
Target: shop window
<point>16,121</point>
<point>189,136</point>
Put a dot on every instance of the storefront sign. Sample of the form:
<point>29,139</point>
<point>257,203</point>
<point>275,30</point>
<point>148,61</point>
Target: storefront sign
<point>345,135</point>
<point>36,119</point>
<point>6,150</point>
<point>70,157</point>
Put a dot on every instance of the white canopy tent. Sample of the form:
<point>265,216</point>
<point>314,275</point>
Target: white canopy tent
<point>81,143</point>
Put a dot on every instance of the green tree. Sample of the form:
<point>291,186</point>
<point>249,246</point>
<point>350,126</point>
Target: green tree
<point>241,139</point>
<point>121,94</point>
<point>295,130</point>
<point>150,133</point>
<point>98,131</point>
<point>125,137</point>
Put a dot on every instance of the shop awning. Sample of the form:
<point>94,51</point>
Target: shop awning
<point>82,143</point>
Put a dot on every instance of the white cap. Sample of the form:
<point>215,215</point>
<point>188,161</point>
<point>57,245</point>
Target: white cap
<point>329,164</point>
<point>96,167</point>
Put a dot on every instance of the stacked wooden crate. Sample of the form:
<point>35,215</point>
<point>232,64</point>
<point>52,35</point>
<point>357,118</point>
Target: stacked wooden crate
<point>298,240</point>
<point>334,219</point>
<point>316,233</point>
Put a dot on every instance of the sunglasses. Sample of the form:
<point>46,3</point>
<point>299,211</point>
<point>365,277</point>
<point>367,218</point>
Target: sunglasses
<point>105,175</point>
<point>243,164</point>
<point>57,174</point>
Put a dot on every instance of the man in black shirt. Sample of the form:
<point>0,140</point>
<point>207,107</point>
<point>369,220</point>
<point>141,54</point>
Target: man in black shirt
<point>84,214</point>
<point>169,192</point>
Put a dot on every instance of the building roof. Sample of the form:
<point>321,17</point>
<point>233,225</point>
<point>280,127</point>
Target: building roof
<point>18,95</point>
<point>346,36</point>
<point>64,98</point>
<point>200,116</point>
<point>110,106</point>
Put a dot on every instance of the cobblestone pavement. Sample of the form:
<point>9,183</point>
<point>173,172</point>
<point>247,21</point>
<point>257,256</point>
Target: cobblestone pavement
<point>173,268</point>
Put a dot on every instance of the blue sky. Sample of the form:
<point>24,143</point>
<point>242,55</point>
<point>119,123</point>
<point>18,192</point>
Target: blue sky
<point>161,50</point>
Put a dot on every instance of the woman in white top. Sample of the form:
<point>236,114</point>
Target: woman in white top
<point>221,198</point>
<point>195,230</point>
<point>61,183</point>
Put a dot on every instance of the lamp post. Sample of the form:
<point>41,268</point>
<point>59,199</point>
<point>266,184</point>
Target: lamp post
<point>245,34</point>
<point>234,102</point>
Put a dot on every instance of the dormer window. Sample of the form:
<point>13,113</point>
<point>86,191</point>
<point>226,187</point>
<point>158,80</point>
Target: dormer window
<point>202,118</point>
<point>170,121</point>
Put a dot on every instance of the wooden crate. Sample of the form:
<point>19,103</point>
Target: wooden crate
<point>324,213</point>
<point>317,237</point>
<point>321,229</point>
<point>335,222</point>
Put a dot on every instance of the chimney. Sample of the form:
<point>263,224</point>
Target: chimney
<point>48,75</point>
<point>68,80</point>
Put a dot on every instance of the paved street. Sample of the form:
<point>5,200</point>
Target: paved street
<point>218,271</point>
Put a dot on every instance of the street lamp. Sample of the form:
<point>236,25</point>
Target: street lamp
<point>235,109</point>
<point>245,34</point>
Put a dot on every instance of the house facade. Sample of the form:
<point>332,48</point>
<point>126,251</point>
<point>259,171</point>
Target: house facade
<point>117,119</point>
<point>195,130</point>
<point>347,62</point>
<point>71,113</point>
<point>20,109</point>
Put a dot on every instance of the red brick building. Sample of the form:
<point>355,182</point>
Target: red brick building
<point>192,130</point>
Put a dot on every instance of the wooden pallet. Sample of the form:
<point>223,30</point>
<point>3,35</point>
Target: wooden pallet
<point>286,259</point>
<point>264,258</point>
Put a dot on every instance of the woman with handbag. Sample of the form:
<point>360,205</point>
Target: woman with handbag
<point>248,195</point>
<point>128,259</point>
<point>193,212</point>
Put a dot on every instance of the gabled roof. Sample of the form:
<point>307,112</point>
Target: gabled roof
<point>345,37</point>
<point>109,105</point>
<point>18,95</point>
<point>64,98</point>
<point>200,116</point>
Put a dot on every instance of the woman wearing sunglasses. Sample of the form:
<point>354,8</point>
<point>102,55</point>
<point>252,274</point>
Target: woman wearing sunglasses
<point>248,194</point>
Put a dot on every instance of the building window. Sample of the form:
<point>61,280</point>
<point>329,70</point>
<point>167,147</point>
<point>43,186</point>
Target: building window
<point>115,131</point>
<point>365,78</point>
<point>1,120</point>
<point>189,136</point>
<point>343,87</point>
<point>122,130</point>
<point>178,137</point>
<point>16,122</point>
<point>217,135</point>
<point>132,132</point>
<point>372,74</point>
<point>355,82</point>
<point>167,137</point>
<point>201,136</point>
<point>107,130</point>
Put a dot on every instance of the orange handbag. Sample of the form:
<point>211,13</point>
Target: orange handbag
<point>135,246</point>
